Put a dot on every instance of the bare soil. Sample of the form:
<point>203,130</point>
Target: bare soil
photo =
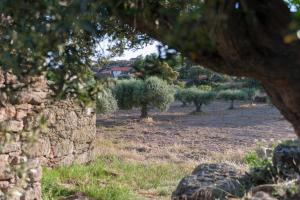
<point>180,135</point>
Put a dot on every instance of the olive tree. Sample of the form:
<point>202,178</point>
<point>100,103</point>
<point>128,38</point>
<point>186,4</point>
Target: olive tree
<point>232,95</point>
<point>198,97</point>
<point>106,102</point>
<point>181,95</point>
<point>143,94</point>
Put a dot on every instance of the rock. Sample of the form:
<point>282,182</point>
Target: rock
<point>41,147</point>
<point>35,174</point>
<point>13,126</point>
<point>286,159</point>
<point>4,185</point>
<point>82,135</point>
<point>11,147</point>
<point>261,196</point>
<point>64,147</point>
<point>71,120</point>
<point>283,190</point>
<point>210,182</point>
<point>33,97</point>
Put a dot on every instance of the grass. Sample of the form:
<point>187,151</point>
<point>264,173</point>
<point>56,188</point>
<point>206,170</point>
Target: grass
<point>112,178</point>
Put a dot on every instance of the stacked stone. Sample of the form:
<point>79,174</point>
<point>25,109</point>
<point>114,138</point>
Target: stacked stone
<point>24,145</point>
<point>20,102</point>
<point>71,130</point>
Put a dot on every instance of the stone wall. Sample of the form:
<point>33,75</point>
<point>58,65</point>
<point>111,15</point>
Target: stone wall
<point>71,130</point>
<point>21,101</point>
<point>24,142</point>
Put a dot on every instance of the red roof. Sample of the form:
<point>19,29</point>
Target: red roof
<point>120,68</point>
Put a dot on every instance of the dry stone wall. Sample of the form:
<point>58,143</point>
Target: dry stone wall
<point>21,101</point>
<point>71,130</point>
<point>25,145</point>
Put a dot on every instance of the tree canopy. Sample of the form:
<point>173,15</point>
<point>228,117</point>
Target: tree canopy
<point>144,94</point>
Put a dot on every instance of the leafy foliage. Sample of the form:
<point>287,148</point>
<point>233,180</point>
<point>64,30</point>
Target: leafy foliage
<point>144,93</point>
<point>197,96</point>
<point>151,65</point>
<point>254,161</point>
<point>181,95</point>
<point>106,102</point>
<point>232,95</point>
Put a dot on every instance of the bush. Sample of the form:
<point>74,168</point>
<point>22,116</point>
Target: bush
<point>254,161</point>
<point>197,97</point>
<point>232,95</point>
<point>106,102</point>
<point>138,93</point>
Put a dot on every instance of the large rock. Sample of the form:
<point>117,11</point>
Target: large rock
<point>210,182</point>
<point>286,159</point>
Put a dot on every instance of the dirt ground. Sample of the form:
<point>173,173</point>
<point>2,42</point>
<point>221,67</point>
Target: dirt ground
<point>179,135</point>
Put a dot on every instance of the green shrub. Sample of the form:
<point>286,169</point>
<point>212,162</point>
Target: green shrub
<point>232,95</point>
<point>197,97</point>
<point>144,93</point>
<point>254,161</point>
<point>106,102</point>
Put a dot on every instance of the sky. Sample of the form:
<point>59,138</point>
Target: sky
<point>149,49</point>
<point>128,54</point>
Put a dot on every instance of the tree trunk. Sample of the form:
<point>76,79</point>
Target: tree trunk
<point>231,105</point>
<point>251,38</point>
<point>199,107</point>
<point>144,111</point>
<point>285,95</point>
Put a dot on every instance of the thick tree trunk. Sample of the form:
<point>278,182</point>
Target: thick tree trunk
<point>243,38</point>
<point>285,95</point>
<point>144,111</point>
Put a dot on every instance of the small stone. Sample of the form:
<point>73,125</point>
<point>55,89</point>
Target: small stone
<point>10,110</point>
<point>11,147</point>
<point>13,126</point>
<point>64,147</point>
<point>41,147</point>
<point>35,174</point>
<point>21,114</point>
<point>3,115</point>
<point>4,184</point>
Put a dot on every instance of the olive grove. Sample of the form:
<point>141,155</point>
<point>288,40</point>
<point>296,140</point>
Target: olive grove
<point>57,38</point>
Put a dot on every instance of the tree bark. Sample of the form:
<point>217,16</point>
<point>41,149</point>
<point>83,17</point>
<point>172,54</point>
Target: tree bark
<point>246,38</point>
<point>144,111</point>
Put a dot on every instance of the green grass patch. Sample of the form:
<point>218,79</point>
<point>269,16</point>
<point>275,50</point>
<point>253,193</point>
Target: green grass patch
<point>112,178</point>
<point>254,161</point>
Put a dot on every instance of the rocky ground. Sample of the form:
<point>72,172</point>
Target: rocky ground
<point>178,135</point>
